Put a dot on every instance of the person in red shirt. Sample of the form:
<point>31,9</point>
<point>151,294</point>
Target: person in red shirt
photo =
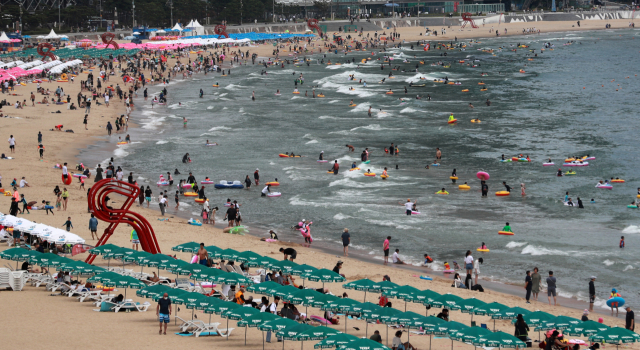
<point>385,247</point>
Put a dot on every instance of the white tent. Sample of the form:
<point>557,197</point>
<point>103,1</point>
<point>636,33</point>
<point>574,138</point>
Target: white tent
<point>161,31</point>
<point>4,37</point>
<point>52,35</point>
<point>196,28</point>
<point>177,27</point>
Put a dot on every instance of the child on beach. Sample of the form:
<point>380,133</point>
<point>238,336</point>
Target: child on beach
<point>59,201</point>
<point>134,239</point>
<point>212,215</point>
<point>507,228</point>
<point>68,224</point>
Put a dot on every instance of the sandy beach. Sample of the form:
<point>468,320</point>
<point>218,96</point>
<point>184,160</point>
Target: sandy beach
<point>56,317</point>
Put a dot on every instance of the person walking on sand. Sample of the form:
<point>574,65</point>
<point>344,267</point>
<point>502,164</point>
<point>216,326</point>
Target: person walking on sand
<point>385,248</point>
<point>551,288</point>
<point>93,227</point>
<point>535,283</point>
<point>65,198</point>
<point>12,144</point>
<point>630,320</point>
<point>346,240</point>
<point>163,311</point>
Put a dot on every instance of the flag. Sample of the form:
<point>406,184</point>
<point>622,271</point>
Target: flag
<point>80,248</point>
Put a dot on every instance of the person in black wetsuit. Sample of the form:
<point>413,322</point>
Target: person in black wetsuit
<point>485,189</point>
<point>201,193</point>
<point>185,158</point>
<point>506,187</point>
<point>191,179</point>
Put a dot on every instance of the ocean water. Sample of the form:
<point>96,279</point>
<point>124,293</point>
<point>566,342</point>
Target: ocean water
<point>557,108</point>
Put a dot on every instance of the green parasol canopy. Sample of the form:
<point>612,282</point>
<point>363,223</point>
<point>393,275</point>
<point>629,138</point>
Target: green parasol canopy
<point>151,291</point>
<point>283,291</point>
<point>118,253</point>
<point>408,318</point>
<point>467,305</point>
<point>335,341</point>
<point>426,297</point>
<point>229,254</point>
<point>207,274</point>
<point>324,276</point>
<point>232,278</point>
<point>257,319</point>
<point>18,254</point>
<point>317,333</point>
<point>382,286</point>
<point>615,335</point>
<point>510,313</point>
<point>249,258</point>
<point>172,293</point>
<point>469,334</point>
<point>303,296</point>
<point>277,324</point>
<point>302,270</point>
<point>46,260</point>
<point>220,307</point>
<point>266,288</point>
<point>103,249</point>
<point>406,293</point>
<point>364,344</point>
<point>186,298</point>
<point>172,264</point>
<point>137,257</point>
<point>499,340</point>
<point>214,252</point>
<point>364,284</point>
<point>156,260</point>
<point>290,333</point>
<point>489,309</point>
<point>447,328</point>
<point>559,323</point>
<point>536,318</point>
<point>339,305</point>
<point>384,315</point>
<point>449,301</point>
<point>362,308</point>
<point>239,313</point>
<point>267,261</point>
<point>188,247</point>
<point>586,328</point>
<point>283,265</point>
<point>111,279</point>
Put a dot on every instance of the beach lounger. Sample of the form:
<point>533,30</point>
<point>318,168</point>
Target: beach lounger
<point>105,306</point>
<point>143,307</point>
<point>127,304</point>
<point>91,294</point>
<point>188,324</point>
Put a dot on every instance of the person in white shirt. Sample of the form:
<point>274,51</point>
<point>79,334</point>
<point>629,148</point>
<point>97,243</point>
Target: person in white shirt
<point>476,268</point>
<point>396,258</point>
<point>24,183</point>
<point>273,308</point>
<point>119,175</point>
<point>206,205</point>
<point>162,203</point>
<point>408,206</point>
<point>468,262</point>
<point>12,144</point>
<point>106,99</point>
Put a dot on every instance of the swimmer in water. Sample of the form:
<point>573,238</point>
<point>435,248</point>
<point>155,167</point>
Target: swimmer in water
<point>201,93</point>
<point>559,173</point>
<point>353,166</point>
<point>351,103</point>
<point>351,149</point>
<point>278,92</point>
<point>470,105</point>
<point>321,156</point>
<point>369,112</point>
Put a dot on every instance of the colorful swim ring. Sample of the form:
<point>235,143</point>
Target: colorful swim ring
<point>444,193</point>
<point>190,194</point>
<point>464,187</point>
<point>206,182</point>
<point>483,250</point>
<point>606,187</point>
<point>186,186</point>
<point>274,194</point>
<point>367,161</point>
<point>413,212</point>
<point>384,176</point>
<point>352,169</point>
<point>618,300</point>
<point>632,206</point>
<point>67,181</point>
<point>163,183</point>
<point>453,121</point>
<point>194,222</point>
<point>352,105</point>
<point>215,85</point>
<point>465,90</point>
<point>123,142</point>
<point>505,233</point>
<point>199,200</point>
<point>80,175</point>
<point>320,95</point>
<point>64,76</point>
<point>568,173</point>
<point>482,175</point>
<point>502,193</point>
<point>453,177</point>
<point>389,92</point>
<point>484,89</point>
<point>62,81</point>
<point>618,181</point>
<point>296,92</point>
<point>548,164</point>
<point>369,174</point>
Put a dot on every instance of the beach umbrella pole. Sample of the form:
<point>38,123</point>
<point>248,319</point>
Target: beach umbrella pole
<point>227,328</point>
<point>262,340</point>
<point>245,335</point>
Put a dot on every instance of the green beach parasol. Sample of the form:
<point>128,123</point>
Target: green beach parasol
<point>380,287</point>
<point>229,254</point>
<point>364,285</point>
<point>615,335</point>
<point>302,270</point>
<point>559,323</point>
<point>103,249</point>
<point>364,344</point>
<point>510,313</point>
<point>586,328</point>
<point>335,341</point>
<point>499,340</point>
<point>266,288</point>
<point>403,293</point>
<point>151,291</point>
<point>449,301</point>
<point>249,258</point>
<point>189,247</point>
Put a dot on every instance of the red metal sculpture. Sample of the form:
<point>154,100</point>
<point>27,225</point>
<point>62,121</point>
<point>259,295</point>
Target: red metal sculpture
<point>221,31</point>
<point>466,18</point>
<point>100,208</point>
<point>107,38</point>
<point>312,23</point>
<point>48,53</point>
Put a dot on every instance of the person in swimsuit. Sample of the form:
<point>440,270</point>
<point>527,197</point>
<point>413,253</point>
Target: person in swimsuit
<point>203,255</point>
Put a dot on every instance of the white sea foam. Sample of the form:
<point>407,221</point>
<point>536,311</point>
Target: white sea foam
<point>312,141</point>
<point>120,153</point>
<point>210,107</point>
<point>333,101</point>
<point>340,216</point>
<point>608,262</point>
<point>152,122</point>
<point>536,250</point>
<point>628,267</point>
<point>408,110</point>
<point>515,244</point>
<point>631,229</point>
<point>161,142</point>
<point>219,128</point>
